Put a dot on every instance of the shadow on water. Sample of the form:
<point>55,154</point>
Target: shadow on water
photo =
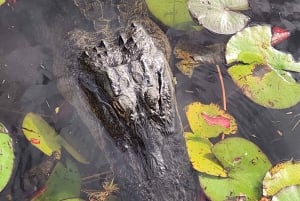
<point>27,85</point>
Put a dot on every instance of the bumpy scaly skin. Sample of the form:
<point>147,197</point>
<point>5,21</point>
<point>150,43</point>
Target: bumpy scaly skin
<point>123,83</point>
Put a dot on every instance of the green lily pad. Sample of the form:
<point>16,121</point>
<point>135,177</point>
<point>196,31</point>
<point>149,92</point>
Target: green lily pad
<point>246,165</point>
<point>63,183</point>
<point>256,41</point>
<point>290,193</point>
<point>265,86</point>
<point>201,156</point>
<point>280,176</point>
<point>219,16</point>
<point>172,13</point>
<point>41,135</point>
<point>263,71</point>
<point>210,120</point>
<point>6,157</point>
<point>2,2</point>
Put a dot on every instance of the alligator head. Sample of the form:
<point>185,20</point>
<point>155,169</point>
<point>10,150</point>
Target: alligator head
<point>129,86</point>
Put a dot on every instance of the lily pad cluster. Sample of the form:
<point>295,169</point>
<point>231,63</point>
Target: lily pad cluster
<point>64,176</point>
<point>261,71</point>
<point>234,166</point>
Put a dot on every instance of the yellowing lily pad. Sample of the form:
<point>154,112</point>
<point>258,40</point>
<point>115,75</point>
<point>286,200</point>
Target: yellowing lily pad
<point>280,176</point>
<point>2,2</point>
<point>201,156</point>
<point>209,120</point>
<point>6,157</point>
<point>290,193</point>
<point>41,135</point>
<point>63,183</point>
<point>246,166</point>
<point>173,13</point>
<point>220,16</point>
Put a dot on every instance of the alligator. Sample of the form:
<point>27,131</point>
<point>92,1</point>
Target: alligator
<point>113,67</point>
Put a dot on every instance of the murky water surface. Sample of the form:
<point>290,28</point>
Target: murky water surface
<point>27,85</point>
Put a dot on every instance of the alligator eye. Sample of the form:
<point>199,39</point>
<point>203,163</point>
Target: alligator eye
<point>124,106</point>
<point>152,97</point>
<point>119,108</point>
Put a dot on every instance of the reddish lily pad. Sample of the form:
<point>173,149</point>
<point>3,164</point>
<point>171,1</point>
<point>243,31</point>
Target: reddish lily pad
<point>209,120</point>
<point>280,176</point>
<point>246,166</point>
<point>201,156</point>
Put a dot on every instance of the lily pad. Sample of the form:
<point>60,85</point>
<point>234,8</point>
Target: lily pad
<point>63,183</point>
<point>172,13</point>
<point>246,165</point>
<point>262,73</point>
<point>41,135</point>
<point>219,16</point>
<point>257,40</point>
<point>280,176</point>
<point>6,157</point>
<point>2,2</point>
<point>201,156</point>
<point>210,120</point>
<point>265,86</point>
<point>291,193</point>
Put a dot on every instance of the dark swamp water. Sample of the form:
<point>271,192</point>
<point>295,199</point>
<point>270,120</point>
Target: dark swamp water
<point>27,85</point>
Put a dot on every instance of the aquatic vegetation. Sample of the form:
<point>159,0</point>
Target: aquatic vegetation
<point>172,13</point>
<point>220,16</point>
<point>105,194</point>
<point>281,176</point>
<point>246,165</point>
<point>262,72</point>
<point>64,176</point>
<point>209,120</point>
<point>41,135</point>
<point>201,156</point>
<point>290,193</point>
<point>7,157</point>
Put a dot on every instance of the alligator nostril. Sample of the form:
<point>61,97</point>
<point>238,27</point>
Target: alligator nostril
<point>121,41</point>
<point>133,25</point>
<point>102,44</point>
